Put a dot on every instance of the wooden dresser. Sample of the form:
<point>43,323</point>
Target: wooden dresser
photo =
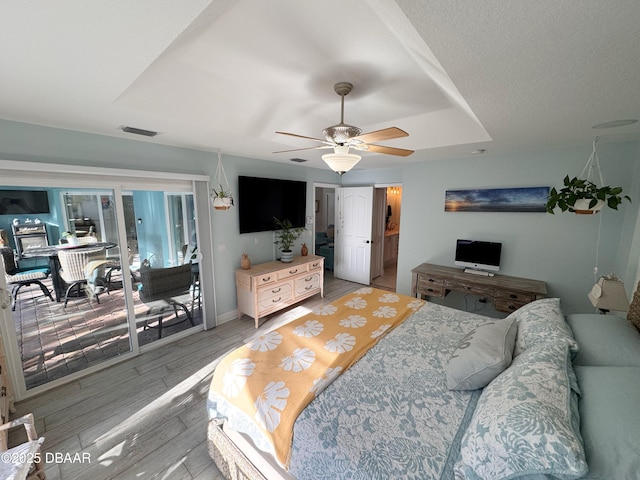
<point>507,293</point>
<point>272,286</point>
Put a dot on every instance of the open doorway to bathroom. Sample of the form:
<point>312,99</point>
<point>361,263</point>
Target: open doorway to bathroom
<point>324,228</point>
<point>390,218</point>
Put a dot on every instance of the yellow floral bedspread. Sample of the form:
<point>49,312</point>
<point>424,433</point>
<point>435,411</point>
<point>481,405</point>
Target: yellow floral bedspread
<point>273,378</point>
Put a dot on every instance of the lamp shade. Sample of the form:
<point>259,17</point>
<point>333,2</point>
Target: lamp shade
<point>341,161</point>
<point>609,294</point>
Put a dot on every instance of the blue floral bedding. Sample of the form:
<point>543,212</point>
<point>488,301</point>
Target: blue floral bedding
<point>391,415</point>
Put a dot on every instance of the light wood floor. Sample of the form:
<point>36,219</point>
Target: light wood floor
<point>146,418</point>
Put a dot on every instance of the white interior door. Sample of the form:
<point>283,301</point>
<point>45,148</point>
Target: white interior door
<point>354,208</point>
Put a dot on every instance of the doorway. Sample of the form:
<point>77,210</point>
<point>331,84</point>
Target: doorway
<point>96,239</point>
<point>390,217</point>
<point>385,234</point>
<point>324,226</point>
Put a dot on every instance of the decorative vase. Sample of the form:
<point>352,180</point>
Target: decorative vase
<point>222,203</point>
<point>286,256</point>
<point>581,207</point>
<point>304,251</point>
<point>245,263</point>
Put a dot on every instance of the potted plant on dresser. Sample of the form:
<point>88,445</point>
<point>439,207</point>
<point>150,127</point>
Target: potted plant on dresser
<point>286,235</point>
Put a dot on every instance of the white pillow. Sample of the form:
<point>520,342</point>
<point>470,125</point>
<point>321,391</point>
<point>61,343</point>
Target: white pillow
<point>482,355</point>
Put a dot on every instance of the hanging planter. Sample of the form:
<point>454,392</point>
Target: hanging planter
<point>221,197</point>
<point>582,195</point>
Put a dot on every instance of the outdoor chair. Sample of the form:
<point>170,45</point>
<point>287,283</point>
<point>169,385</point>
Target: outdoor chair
<point>73,267</point>
<point>17,277</point>
<point>165,290</point>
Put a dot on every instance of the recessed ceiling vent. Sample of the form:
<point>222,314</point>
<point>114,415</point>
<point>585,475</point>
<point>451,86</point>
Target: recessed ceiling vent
<point>298,160</point>
<point>138,131</point>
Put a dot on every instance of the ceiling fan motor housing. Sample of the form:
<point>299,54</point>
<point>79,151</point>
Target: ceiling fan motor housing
<point>341,133</point>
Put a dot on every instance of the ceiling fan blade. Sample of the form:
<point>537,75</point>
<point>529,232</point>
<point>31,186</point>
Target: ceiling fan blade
<point>382,135</point>
<point>400,152</point>
<point>308,148</point>
<point>308,138</point>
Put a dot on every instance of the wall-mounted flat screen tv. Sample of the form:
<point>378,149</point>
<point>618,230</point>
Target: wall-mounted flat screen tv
<point>23,202</point>
<point>262,199</point>
<point>478,255</point>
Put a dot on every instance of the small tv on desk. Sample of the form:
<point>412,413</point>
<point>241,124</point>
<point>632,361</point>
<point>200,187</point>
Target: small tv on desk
<point>478,256</point>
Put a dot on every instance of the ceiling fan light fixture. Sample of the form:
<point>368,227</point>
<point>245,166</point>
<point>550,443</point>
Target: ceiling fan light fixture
<point>341,133</point>
<point>341,162</point>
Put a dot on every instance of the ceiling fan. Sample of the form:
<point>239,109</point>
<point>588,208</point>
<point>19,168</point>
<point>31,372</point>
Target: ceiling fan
<point>342,136</point>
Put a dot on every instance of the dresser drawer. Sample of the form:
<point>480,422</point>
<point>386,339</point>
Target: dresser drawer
<point>472,288</point>
<point>507,306</point>
<point>274,297</point>
<point>274,291</point>
<point>308,283</point>
<point>515,296</point>
<point>266,279</point>
<point>439,292</point>
<point>291,271</point>
<point>317,265</point>
<point>429,282</point>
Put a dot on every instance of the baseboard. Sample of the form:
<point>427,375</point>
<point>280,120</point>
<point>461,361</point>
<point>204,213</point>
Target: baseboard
<point>226,317</point>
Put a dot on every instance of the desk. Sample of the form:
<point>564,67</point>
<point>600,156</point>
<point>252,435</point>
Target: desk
<point>51,252</point>
<point>507,293</point>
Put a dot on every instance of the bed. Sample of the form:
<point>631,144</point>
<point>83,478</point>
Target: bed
<point>447,394</point>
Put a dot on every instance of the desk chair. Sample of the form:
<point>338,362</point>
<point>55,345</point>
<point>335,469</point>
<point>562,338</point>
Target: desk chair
<point>22,277</point>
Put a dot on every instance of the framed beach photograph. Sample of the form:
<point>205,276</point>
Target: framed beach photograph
<point>523,199</point>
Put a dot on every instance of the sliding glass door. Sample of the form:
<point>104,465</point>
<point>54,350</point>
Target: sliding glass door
<point>108,253</point>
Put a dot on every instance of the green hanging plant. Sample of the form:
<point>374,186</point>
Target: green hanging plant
<point>579,195</point>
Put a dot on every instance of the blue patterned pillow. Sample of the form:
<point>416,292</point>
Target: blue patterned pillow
<point>526,423</point>
<point>541,322</point>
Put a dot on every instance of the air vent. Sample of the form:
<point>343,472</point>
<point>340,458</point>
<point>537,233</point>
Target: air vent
<point>138,131</point>
<point>298,160</point>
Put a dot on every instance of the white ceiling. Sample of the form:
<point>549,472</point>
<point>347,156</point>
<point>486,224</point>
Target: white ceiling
<point>501,75</point>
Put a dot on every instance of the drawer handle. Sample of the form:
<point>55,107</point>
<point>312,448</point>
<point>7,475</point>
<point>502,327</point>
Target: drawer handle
<point>293,271</point>
<point>276,290</point>
<point>511,307</point>
<point>4,391</point>
<point>266,279</point>
<point>430,290</point>
<point>513,295</point>
<point>308,287</point>
<point>431,280</point>
<point>315,265</point>
<point>276,300</point>
<point>468,288</point>
<point>308,279</point>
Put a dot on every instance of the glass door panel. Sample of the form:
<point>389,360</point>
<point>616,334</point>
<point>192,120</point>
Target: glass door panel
<point>85,322</point>
<point>166,283</point>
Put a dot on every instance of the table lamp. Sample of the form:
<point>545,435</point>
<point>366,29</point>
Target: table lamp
<point>609,294</point>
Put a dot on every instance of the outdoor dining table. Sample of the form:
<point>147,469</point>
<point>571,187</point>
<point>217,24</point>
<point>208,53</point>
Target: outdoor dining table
<point>51,252</point>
